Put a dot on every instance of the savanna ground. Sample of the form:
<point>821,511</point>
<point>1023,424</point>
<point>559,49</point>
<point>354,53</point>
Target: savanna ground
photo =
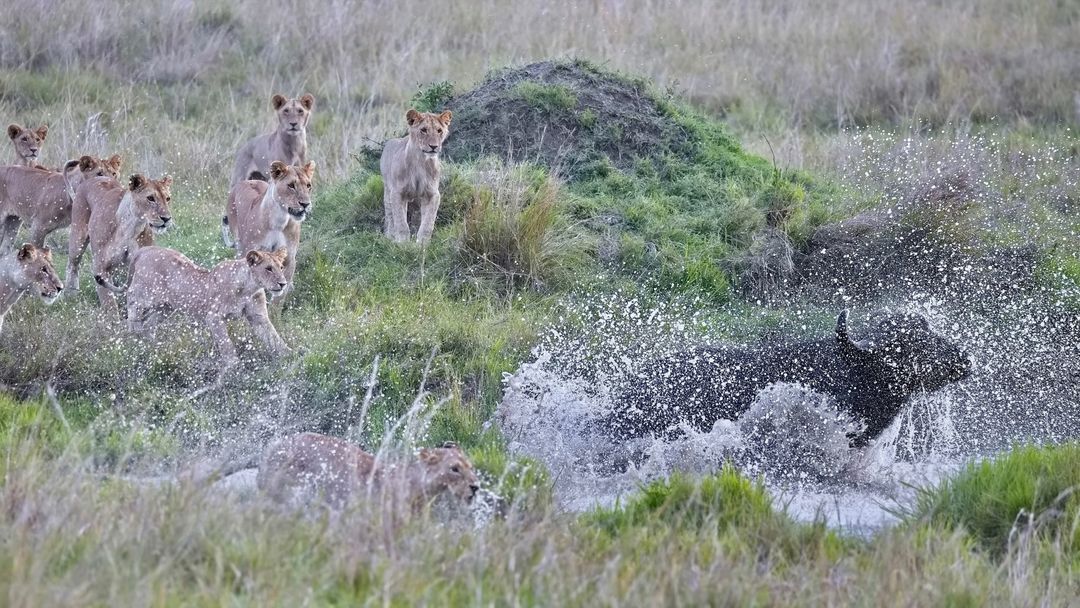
<point>772,125</point>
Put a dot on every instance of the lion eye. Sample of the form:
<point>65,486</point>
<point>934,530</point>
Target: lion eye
<point>168,199</point>
<point>423,129</point>
<point>101,174</point>
<point>45,269</point>
<point>300,112</point>
<point>455,469</point>
<point>150,198</point>
<point>440,131</point>
<point>292,186</point>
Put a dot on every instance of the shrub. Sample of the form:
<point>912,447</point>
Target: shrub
<point>511,232</point>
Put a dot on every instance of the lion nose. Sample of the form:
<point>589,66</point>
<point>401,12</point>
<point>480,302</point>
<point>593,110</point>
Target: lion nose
<point>293,124</point>
<point>305,204</point>
<point>474,487</point>
<point>165,219</point>
<point>282,284</point>
<point>433,148</point>
<point>33,150</point>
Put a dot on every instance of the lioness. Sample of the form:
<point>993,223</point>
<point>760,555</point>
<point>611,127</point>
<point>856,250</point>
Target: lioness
<point>27,144</point>
<point>113,220</point>
<point>43,198</point>
<point>267,216</point>
<point>288,143</point>
<point>410,171</point>
<point>335,470</point>
<point>163,281</point>
<point>27,269</point>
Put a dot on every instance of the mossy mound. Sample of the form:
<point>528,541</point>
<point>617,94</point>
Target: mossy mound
<point>569,116</point>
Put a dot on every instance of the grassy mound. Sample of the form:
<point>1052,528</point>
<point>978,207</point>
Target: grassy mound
<point>568,116</point>
<point>1030,491</point>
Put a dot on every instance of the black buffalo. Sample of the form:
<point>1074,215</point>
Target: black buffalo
<point>871,378</point>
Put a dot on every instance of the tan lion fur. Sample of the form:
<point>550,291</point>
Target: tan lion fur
<point>114,222</point>
<point>42,198</point>
<point>266,216</point>
<point>320,466</point>
<point>288,143</point>
<point>165,282</point>
<point>28,269</point>
<point>410,170</point>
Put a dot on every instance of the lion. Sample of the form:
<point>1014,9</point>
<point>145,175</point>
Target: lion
<point>288,143</point>
<point>113,221</point>
<point>43,198</point>
<point>164,281</point>
<point>336,471</point>
<point>410,170</point>
<point>28,269</point>
<point>267,215</point>
<point>27,144</point>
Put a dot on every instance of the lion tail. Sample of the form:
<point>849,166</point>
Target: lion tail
<point>107,284</point>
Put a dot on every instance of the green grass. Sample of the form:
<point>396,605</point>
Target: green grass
<point>548,98</point>
<point>1028,490</point>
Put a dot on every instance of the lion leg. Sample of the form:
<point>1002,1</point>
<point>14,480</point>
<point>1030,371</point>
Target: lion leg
<point>8,231</point>
<point>397,223</point>
<point>428,210</point>
<point>77,242</point>
<point>259,318</point>
<point>220,331</point>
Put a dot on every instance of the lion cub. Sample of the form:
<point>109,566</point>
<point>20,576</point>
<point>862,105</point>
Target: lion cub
<point>267,215</point>
<point>310,465</point>
<point>164,282</point>
<point>114,221</point>
<point>410,171</point>
<point>42,198</point>
<point>27,144</point>
<point>29,269</point>
<point>288,143</point>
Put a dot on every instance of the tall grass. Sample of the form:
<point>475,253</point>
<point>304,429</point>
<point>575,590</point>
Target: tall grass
<point>824,63</point>
<point>70,539</point>
<point>511,233</point>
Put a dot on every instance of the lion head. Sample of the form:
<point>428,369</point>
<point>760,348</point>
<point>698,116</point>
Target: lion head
<point>292,185</point>
<point>35,272</point>
<point>27,141</point>
<point>427,131</point>
<point>447,469</point>
<point>293,114</point>
<point>150,200</point>
<point>268,270</point>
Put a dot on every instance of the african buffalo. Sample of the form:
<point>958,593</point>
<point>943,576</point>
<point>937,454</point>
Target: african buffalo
<point>870,379</point>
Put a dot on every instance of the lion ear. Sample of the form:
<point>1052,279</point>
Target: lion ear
<point>308,101</point>
<point>26,252</point>
<point>278,100</point>
<point>47,254</point>
<point>281,255</point>
<point>412,117</point>
<point>14,131</point>
<point>136,182</point>
<point>42,131</point>
<point>445,117</point>
<point>309,169</point>
<point>115,161</point>
<point>165,182</point>
<point>449,444</point>
<point>86,163</point>
<point>278,169</point>
<point>429,456</point>
<point>253,258</point>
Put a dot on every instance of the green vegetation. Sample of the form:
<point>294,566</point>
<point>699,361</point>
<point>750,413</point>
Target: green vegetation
<point>1027,491</point>
<point>718,540</point>
<point>547,98</point>
<point>685,184</point>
